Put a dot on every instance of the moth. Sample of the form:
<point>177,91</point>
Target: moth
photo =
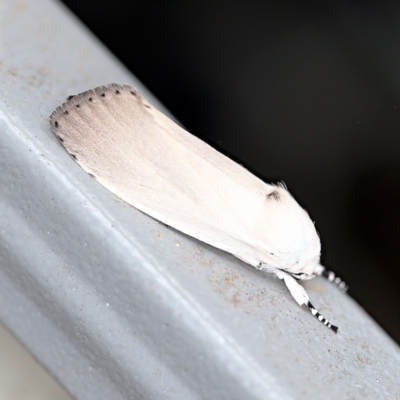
<point>150,162</point>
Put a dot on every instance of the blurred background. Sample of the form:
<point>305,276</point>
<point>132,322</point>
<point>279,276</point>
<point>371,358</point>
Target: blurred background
<point>305,92</point>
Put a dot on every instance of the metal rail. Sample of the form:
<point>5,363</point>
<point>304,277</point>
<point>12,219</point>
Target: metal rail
<point>118,306</point>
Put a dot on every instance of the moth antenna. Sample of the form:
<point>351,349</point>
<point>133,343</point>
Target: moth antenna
<point>320,317</point>
<point>331,276</point>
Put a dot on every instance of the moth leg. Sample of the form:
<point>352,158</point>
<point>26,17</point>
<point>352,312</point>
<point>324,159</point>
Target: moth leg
<point>331,276</point>
<point>301,297</point>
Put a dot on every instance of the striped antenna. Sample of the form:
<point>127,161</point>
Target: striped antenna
<point>331,276</point>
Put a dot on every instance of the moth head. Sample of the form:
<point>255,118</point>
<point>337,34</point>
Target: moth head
<point>289,235</point>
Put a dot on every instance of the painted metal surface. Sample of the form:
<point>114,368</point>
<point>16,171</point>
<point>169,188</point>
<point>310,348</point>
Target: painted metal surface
<point>115,304</point>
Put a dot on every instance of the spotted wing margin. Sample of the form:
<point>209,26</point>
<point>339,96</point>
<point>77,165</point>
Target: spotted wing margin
<point>150,162</point>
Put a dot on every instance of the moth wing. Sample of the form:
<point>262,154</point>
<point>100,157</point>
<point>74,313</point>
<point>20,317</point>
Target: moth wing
<point>150,162</point>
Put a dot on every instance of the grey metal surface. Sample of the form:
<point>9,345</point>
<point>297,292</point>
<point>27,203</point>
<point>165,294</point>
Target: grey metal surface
<point>119,306</point>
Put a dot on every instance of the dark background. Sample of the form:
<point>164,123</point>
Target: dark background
<point>307,92</point>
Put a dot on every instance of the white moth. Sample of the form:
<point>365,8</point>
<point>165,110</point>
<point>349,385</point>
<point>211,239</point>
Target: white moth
<point>150,162</point>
